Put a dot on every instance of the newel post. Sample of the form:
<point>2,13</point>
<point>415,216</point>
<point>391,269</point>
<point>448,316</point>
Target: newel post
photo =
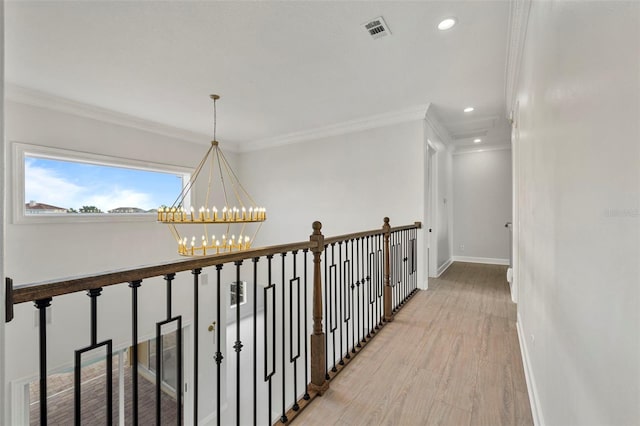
<point>388,293</point>
<point>319,382</point>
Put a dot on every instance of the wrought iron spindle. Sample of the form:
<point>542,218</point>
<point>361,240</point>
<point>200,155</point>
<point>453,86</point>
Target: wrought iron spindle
<point>93,295</point>
<point>255,261</point>
<point>327,322</point>
<point>369,284</point>
<point>306,331</point>
<point>354,262</point>
<point>340,290</point>
<point>218,357</point>
<point>283,418</point>
<point>134,285</point>
<point>238,344</point>
<point>42,305</point>
<point>196,322</point>
<point>269,373</point>
<point>358,272</point>
<point>347,284</point>
<point>363,280</point>
<point>331,296</point>
<point>159,354</point>
<point>294,358</point>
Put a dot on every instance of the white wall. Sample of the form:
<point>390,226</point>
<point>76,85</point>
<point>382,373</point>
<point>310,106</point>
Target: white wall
<point>349,182</point>
<point>579,190</point>
<point>2,216</point>
<point>482,205</point>
<point>47,251</point>
<point>444,208</point>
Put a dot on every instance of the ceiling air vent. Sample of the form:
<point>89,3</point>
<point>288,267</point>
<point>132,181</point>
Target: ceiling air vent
<point>377,28</point>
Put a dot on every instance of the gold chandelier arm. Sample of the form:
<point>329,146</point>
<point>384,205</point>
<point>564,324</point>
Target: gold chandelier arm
<point>237,181</point>
<point>233,184</point>
<point>192,180</point>
<point>174,232</point>
<point>206,201</point>
<point>224,187</point>
<point>253,237</point>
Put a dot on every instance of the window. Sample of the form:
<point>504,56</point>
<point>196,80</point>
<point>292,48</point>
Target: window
<point>60,185</point>
<point>237,291</point>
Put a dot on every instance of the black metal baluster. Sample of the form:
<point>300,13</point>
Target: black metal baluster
<point>283,418</point>
<point>378,269</point>
<point>158,373</point>
<point>169,279</point>
<point>359,260</point>
<point>327,324</point>
<point>159,354</point>
<point>363,281</point>
<point>93,295</point>
<point>370,293</point>
<point>306,332</point>
<point>340,291</point>
<point>196,322</point>
<point>347,293</point>
<point>218,357</point>
<point>180,382</point>
<point>134,285</point>
<point>331,301</point>
<point>353,297</point>
<point>269,374</point>
<point>255,340</point>
<point>42,305</point>
<point>294,358</point>
<point>380,280</point>
<point>238,344</point>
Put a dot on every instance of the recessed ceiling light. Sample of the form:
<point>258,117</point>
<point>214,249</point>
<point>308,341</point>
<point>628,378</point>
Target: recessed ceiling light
<point>468,109</point>
<point>477,140</point>
<point>447,24</point>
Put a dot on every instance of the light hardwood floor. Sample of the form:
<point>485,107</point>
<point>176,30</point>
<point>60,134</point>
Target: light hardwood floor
<point>450,357</point>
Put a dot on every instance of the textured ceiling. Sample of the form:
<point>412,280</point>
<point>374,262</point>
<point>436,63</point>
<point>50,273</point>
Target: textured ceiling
<point>281,67</point>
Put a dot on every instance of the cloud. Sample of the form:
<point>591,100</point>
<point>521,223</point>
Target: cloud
<point>120,198</point>
<point>47,186</point>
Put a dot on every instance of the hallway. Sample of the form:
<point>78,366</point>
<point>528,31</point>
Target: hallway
<point>451,357</point>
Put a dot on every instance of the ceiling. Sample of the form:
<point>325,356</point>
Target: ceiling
<point>280,67</point>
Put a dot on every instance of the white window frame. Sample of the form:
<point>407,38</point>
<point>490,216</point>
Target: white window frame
<point>22,150</point>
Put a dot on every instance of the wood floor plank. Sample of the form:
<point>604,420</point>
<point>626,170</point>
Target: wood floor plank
<point>450,357</point>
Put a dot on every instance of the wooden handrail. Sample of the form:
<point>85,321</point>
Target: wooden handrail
<point>44,289</point>
<point>355,235</point>
<point>58,287</point>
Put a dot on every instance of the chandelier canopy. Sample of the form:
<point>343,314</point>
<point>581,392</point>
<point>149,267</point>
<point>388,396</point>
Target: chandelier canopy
<point>227,207</point>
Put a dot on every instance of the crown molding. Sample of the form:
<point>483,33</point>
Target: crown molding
<point>32,97</point>
<point>375,121</point>
<point>431,119</point>
<point>475,149</point>
<point>518,22</point>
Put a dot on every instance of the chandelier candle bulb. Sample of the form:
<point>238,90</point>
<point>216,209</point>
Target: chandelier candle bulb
<point>244,213</point>
<point>208,216</point>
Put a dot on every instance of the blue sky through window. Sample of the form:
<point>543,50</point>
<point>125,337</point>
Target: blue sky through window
<point>70,184</point>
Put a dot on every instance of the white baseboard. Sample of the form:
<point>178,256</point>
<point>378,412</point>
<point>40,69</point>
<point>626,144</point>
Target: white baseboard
<point>444,267</point>
<point>486,260</point>
<point>534,401</point>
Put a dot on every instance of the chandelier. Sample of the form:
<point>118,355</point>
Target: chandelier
<point>227,207</point>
